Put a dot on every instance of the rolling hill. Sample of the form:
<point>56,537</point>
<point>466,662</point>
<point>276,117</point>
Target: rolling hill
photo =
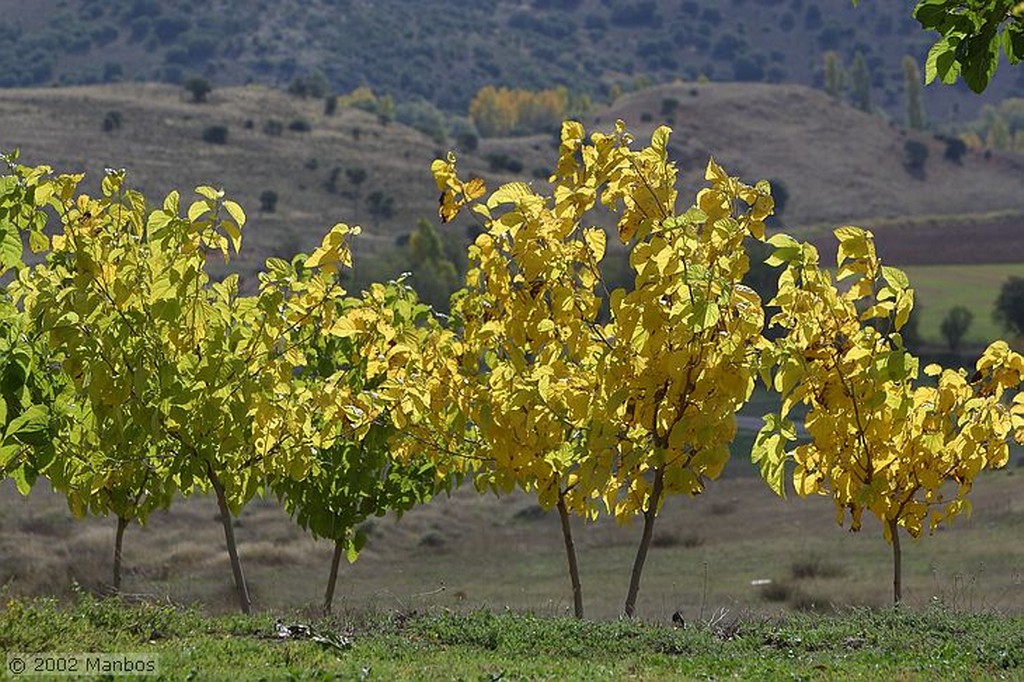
<point>838,164</point>
<point>443,52</point>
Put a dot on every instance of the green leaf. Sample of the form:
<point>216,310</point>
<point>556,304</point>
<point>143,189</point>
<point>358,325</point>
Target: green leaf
<point>7,455</point>
<point>10,247</point>
<point>21,480</point>
<point>31,426</point>
<point>895,277</point>
<point>171,204</point>
<point>158,222</point>
<point>769,452</point>
<point>356,546</point>
<point>705,315</point>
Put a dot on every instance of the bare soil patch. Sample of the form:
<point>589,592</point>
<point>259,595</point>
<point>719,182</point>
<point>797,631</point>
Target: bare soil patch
<point>948,244</point>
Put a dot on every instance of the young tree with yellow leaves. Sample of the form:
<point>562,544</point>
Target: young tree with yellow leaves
<point>640,407</point>
<point>356,476</point>
<point>880,442</point>
<point>179,383</point>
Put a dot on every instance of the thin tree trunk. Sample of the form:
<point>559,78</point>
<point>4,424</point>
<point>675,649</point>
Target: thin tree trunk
<point>333,578</point>
<point>645,541</point>
<point>229,536</point>
<point>897,564</point>
<point>570,553</point>
<point>122,524</point>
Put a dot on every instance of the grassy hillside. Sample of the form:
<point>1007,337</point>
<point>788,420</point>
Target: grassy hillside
<point>443,52</point>
<point>838,164</point>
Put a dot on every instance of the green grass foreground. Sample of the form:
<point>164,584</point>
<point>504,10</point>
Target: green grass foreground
<point>861,644</point>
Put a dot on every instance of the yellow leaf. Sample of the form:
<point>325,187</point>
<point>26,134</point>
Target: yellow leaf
<point>447,207</point>
<point>234,233</point>
<point>236,212</point>
<point>475,188</point>
<point>596,241</point>
<point>197,209</point>
<point>510,193</point>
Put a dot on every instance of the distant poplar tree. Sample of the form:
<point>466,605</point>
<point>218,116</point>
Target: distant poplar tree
<point>835,75</point>
<point>861,77</point>
<point>915,108</point>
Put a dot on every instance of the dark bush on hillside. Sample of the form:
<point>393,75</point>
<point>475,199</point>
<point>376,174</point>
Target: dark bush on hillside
<point>468,141</point>
<point>198,87</point>
<point>300,125</point>
<point>380,205</point>
<point>112,121</point>
<point>215,134</point>
<point>915,154</point>
<point>955,149</point>
<point>268,201</point>
<point>638,13</point>
<point>503,162</point>
<point>273,127</point>
<point>330,105</point>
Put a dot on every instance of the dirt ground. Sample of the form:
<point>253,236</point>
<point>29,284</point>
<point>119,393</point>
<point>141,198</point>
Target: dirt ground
<point>946,244</point>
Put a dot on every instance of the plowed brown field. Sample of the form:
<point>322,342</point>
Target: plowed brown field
<point>989,242</point>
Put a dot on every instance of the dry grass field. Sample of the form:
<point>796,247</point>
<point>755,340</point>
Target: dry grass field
<point>473,551</point>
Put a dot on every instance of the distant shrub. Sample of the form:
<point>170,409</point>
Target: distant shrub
<point>331,184</point>
<point>273,127</point>
<point>646,116</point>
<point>503,162</point>
<point>541,173</point>
<point>915,154</point>
<point>330,105</point>
<point>955,150</point>
<point>423,116</point>
<point>815,567</point>
<point>112,121</point>
<point>468,141</point>
<point>313,84</point>
<point>217,134</point>
<point>198,87</point>
<point>268,201</point>
<point>432,539</point>
<point>381,206</point>
<point>776,592</point>
<point>356,176</point>
<point>1009,306</point>
<point>669,106</point>
<point>955,325</point>
<point>637,13</point>
<point>169,27</point>
<point>300,125</point>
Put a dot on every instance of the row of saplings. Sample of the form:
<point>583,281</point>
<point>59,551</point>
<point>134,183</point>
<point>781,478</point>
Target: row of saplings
<point>131,377</point>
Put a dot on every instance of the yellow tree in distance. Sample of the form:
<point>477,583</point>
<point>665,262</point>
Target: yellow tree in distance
<point>880,441</point>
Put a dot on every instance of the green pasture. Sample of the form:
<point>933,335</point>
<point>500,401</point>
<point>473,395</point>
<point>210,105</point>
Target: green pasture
<point>941,287</point>
<point>857,644</point>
